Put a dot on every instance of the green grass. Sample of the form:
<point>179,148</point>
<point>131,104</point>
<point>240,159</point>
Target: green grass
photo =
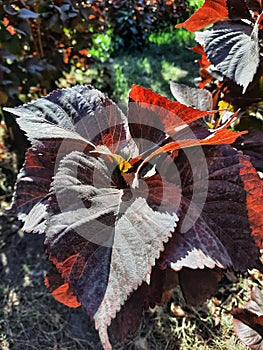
<point>152,68</point>
<point>171,36</point>
<point>166,58</point>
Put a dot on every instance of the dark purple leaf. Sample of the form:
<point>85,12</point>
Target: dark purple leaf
<point>197,248</point>
<point>218,220</point>
<point>237,9</point>
<point>81,113</point>
<point>128,319</point>
<point>122,234</point>
<point>233,49</point>
<point>64,121</point>
<point>32,188</point>
<point>241,9</point>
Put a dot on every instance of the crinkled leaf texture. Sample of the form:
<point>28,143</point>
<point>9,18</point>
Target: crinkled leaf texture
<point>248,321</point>
<point>32,188</point>
<point>233,48</point>
<point>66,120</point>
<point>212,240</point>
<point>105,232</point>
<point>122,233</point>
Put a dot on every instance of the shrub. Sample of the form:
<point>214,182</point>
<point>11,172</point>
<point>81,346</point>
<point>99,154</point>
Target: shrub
<point>131,206</point>
<point>39,41</point>
<point>133,22</point>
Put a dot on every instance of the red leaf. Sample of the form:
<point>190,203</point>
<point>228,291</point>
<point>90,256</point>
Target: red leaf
<point>211,12</point>
<point>60,290</point>
<point>217,137</point>
<point>205,76</point>
<point>251,144</point>
<point>168,115</point>
<point>253,186</point>
<point>204,61</point>
<point>220,136</point>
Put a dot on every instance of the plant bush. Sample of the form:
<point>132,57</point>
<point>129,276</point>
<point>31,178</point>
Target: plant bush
<point>39,41</point>
<point>231,75</point>
<point>132,206</point>
<point>168,195</point>
<point>133,22</point>
<point>42,40</point>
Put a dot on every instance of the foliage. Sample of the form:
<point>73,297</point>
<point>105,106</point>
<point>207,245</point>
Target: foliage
<point>103,45</point>
<point>133,22</point>
<point>166,58</point>
<point>169,35</point>
<point>231,63</point>
<point>132,206</point>
<point>232,69</point>
<point>104,190</point>
<point>42,41</point>
<point>39,41</point>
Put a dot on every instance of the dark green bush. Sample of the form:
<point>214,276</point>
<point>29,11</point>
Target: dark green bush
<point>133,21</point>
<point>39,41</point>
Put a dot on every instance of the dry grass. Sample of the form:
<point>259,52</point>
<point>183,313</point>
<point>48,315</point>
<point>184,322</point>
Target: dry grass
<point>30,319</point>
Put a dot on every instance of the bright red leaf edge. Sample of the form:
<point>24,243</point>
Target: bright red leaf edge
<point>147,99</point>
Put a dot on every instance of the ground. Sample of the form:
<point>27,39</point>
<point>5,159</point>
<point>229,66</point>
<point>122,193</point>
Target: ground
<point>31,319</point>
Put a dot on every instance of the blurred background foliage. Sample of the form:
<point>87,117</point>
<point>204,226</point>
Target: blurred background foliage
<point>111,44</point>
<point>42,40</point>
